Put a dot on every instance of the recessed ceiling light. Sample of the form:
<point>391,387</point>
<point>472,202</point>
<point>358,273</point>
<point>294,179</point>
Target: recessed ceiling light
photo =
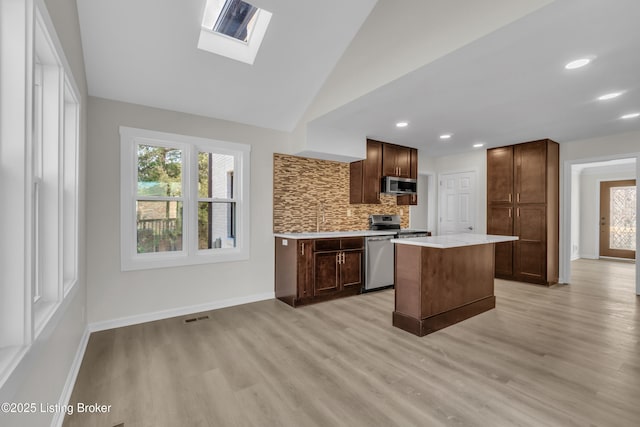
<point>402,124</point>
<point>630,116</point>
<point>609,96</point>
<point>577,63</point>
<point>478,145</point>
<point>445,136</point>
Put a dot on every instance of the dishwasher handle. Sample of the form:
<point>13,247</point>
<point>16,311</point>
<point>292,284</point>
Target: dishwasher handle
<point>380,238</point>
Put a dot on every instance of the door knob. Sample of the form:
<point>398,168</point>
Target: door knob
<point>470,228</point>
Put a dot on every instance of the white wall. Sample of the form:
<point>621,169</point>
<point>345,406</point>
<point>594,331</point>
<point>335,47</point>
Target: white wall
<point>589,191</point>
<point>116,297</point>
<point>575,214</point>
<point>42,374</point>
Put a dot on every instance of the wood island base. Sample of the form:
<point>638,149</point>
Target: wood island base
<point>422,327</point>
<point>440,281</point>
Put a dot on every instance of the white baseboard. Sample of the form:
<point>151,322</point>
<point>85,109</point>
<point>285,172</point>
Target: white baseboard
<point>181,311</point>
<point>58,417</point>
<point>589,256</point>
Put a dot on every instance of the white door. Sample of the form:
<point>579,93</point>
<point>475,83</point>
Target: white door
<point>457,207</point>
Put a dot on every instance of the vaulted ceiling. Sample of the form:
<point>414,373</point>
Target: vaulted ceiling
<point>145,52</point>
<point>504,85</point>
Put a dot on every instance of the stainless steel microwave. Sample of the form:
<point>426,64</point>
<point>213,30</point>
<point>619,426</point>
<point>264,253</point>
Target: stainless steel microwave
<point>395,185</point>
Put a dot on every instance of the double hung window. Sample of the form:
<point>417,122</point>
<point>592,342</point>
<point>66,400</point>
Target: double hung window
<point>184,200</point>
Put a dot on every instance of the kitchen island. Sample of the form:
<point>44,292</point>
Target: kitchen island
<point>442,280</point>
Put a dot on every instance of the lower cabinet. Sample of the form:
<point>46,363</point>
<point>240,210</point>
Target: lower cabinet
<point>309,271</point>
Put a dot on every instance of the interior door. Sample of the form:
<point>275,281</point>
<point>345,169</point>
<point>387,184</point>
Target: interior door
<point>618,219</point>
<point>457,207</point>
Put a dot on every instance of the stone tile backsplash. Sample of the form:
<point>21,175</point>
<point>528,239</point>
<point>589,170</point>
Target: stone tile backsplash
<point>301,186</point>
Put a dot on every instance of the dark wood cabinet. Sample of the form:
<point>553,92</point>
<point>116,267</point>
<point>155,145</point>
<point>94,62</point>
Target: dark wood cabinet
<point>500,175</point>
<point>309,271</point>
<point>305,268</point>
<point>500,222</point>
<point>383,159</point>
<point>364,181</point>
<point>522,200</point>
<point>396,161</point>
<point>411,199</point>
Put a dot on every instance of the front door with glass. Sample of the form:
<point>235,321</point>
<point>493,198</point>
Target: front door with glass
<point>618,219</point>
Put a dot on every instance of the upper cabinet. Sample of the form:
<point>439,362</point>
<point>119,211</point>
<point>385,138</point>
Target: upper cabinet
<point>518,173</point>
<point>500,176</point>
<point>411,199</point>
<point>383,159</point>
<point>530,175</point>
<point>396,161</point>
<point>365,176</point>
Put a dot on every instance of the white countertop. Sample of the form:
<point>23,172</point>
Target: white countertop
<point>454,240</point>
<point>334,234</point>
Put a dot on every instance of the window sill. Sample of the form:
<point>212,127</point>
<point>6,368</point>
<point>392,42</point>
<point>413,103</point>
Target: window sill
<point>9,359</point>
<point>170,260</point>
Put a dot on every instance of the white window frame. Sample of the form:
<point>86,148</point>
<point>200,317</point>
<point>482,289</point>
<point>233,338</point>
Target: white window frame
<point>190,146</point>
<point>36,172</point>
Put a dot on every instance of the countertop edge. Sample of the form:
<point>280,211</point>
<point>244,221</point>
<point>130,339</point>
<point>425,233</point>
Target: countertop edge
<point>454,241</point>
<point>334,234</point>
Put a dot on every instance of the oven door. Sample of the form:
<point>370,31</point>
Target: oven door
<point>379,262</point>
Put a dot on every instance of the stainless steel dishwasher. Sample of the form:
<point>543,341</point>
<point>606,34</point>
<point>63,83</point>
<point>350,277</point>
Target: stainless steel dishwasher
<point>379,262</point>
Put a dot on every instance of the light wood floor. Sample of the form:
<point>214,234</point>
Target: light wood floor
<point>562,356</point>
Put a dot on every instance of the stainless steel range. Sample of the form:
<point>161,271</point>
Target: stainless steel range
<point>380,250</point>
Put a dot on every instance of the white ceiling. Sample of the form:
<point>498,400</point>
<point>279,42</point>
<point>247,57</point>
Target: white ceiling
<point>511,86</point>
<point>507,87</point>
<point>144,52</point>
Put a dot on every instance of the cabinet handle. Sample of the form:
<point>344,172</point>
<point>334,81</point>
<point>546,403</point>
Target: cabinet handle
<point>510,197</point>
<point>518,197</point>
<point>343,257</point>
<point>518,211</point>
<point>302,249</point>
<point>509,212</point>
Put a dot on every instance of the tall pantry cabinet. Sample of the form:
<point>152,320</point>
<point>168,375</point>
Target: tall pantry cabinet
<point>523,201</point>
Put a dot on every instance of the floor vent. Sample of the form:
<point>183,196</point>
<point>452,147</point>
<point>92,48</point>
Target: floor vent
<point>195,319</point>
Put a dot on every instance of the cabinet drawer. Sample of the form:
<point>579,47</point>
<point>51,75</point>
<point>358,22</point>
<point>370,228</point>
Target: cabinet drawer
<point>352,243</point>
<point>322,245</point>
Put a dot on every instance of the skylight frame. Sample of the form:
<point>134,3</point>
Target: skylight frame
<point>231,47</point>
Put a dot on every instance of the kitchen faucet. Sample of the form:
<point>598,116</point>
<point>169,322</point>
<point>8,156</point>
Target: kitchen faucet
<point>319,214</point>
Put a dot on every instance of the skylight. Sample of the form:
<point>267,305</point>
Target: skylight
<point>233,28</point>
<point>236,20</point>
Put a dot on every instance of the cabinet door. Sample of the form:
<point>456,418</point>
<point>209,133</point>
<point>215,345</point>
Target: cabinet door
<point>351,269</point>
<point>530,172</point>
<point>500,222</point>
<point>389,154</point>
<point>305,268</point>
<point>500,175</point>
<point>410,199</point>
<point>414,164</point>
<point>403,162</point>
<point>407,199</point>
<point>371,173</point>
<point>356,183</point>
<point>530,260</point>
<point>326,272</point>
